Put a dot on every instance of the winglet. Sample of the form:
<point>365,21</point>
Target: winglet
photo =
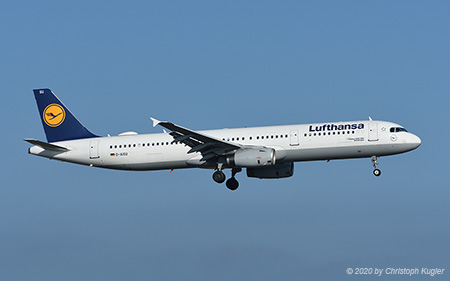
<point>155,122</point>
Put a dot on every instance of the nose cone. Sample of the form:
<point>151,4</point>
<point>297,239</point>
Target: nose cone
<point>414,141</point>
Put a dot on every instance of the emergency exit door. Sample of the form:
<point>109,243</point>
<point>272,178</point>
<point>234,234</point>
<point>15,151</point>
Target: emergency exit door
<point>373,131</point>
<point>93,149</point>
<point>294,138</point>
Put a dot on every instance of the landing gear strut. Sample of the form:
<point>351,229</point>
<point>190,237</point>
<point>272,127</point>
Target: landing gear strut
<point>232,183</point>
<point>376,172</point>
<point>218,175</point>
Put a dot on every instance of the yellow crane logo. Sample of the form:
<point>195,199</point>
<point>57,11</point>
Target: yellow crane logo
<point>54,115</point>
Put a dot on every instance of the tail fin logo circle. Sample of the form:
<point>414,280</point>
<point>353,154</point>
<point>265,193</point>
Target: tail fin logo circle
<point>54,115</point>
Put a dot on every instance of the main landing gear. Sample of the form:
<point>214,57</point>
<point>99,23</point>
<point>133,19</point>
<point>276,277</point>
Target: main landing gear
<point>232,183</point>
<point>376,172</point>
<point>219,176</point>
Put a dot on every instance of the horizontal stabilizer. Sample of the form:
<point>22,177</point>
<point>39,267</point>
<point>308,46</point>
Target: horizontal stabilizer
<point>46,146</point>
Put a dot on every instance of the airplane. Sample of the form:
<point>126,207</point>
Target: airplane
<point>265,152</point>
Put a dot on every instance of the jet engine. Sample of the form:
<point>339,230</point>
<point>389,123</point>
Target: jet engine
<point>252,157</point>
<point>283,170</point>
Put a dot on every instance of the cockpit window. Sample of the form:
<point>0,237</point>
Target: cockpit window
<point>397,129</point>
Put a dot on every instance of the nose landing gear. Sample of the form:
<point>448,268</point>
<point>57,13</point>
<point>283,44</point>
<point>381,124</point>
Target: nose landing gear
<point>376,172</point>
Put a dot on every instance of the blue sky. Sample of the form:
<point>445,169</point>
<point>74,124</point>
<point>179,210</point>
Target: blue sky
<point>218,64</point>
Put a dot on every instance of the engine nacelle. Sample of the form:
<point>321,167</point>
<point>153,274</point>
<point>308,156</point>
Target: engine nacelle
<point>284,170</point>
<point>253,157</point>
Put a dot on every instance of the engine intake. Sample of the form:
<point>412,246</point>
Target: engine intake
<point>253,157</point>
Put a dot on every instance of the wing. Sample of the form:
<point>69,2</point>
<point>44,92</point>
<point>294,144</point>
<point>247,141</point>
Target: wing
<point>210,147</point>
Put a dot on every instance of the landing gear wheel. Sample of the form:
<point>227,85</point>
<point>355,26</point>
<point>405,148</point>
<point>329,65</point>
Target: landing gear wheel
<point>377,172</point>
<point>219,176</point>
<point>232,184</point>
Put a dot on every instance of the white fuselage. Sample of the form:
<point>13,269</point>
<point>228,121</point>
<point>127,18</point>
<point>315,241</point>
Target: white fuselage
<point>292,143</point>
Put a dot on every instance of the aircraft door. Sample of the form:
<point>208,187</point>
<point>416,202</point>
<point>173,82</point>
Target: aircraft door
<point>294,138</point>
<point>373,131</point>
<point>93,149</point>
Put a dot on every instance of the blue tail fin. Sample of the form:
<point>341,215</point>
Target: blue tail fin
<point>59,123</point>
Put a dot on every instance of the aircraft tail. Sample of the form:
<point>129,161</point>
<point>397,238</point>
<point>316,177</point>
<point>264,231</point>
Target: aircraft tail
<point>59,123</point>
